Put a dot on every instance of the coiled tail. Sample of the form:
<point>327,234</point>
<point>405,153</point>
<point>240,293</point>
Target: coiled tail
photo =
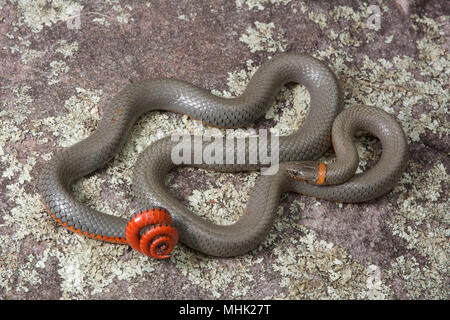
<point>150,232</point>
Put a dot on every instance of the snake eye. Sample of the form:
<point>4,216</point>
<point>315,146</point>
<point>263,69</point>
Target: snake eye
<point>158,236</point>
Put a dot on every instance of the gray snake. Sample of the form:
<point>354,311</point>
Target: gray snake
<point>298,171</point>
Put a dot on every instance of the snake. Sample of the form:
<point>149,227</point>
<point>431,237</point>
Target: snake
<point>164,219</point>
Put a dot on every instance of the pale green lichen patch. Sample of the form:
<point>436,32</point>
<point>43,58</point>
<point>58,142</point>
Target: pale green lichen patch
<point>27,55</point>
<point>123,13</point>
<point>67,49</point>
<point>218,203</point>
<point>188,17</point>
<point>212,275</point>
<point>315,269</point>
<point>290,110</point>
<point>81,119</point>
<point>84,276</point>
<point>258,4</point>
<point>102,21</point>
<point>237,81</point>
<point>356,24</point>
<point>317,17</point>
<point>57,67</point>
<point>422,219</point>
<point>39,13</point>
<point>263,37</point>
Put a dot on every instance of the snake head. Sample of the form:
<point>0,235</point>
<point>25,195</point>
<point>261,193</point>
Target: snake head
<point>306,171</point>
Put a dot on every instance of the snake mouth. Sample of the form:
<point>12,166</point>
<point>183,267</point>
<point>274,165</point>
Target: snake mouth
<point>158,238</point>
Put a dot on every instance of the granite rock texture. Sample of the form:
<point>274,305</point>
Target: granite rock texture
<point>62,61</point>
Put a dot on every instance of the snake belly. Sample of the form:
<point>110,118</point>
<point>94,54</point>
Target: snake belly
<point>309,142</point>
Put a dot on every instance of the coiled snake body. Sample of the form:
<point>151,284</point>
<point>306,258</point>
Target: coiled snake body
<point>153,231</point>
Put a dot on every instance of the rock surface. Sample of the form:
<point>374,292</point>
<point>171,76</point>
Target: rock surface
<point>62,61</point>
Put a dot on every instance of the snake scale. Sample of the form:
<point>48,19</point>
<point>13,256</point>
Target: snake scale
<point>155,230</point>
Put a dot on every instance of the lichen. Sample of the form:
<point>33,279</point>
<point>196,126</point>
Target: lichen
<point>422,219</point>
<point>39,13</point>
<point>81,118</point>
<point>262,38</point>
<point>258,4</point>
<point>316,269</point>
<point>293,261</point>
<point>67,49</point>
